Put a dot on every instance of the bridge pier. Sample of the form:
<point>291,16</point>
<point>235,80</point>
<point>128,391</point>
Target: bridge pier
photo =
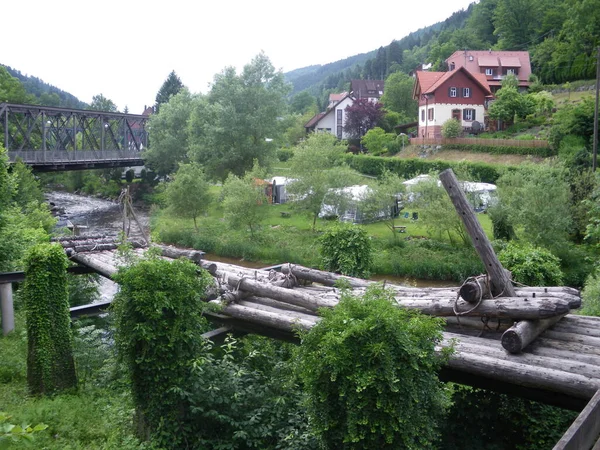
<point>6,306</point>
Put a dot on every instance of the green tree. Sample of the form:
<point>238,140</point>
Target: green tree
<point>101,103</point>
<point>303,102</point>
<point>50,364</point>
<point>169,133</point>
<point>369,369</point>
<point>515,23</point>
<point>590,296</point>
<point>169,88</point>
<point>398,95</point>
<point>188,193</point>
<point>243,199</point>
<point>158,324</point>
<point>240,122</point>
<point>11,89</point>
<point>378,141</point>
<point>382,201</point>
<point>318,171</point>
<point>510,105</point>
<point>537,199</point>
<point>530,265</point>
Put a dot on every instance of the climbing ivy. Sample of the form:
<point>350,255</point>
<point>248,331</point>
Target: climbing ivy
<point>346,249</point>
<point>369,368</point>
<point>158,319</point>
<point>50,365</point>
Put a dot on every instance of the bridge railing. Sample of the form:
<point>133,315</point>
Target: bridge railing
<point>59,156</point>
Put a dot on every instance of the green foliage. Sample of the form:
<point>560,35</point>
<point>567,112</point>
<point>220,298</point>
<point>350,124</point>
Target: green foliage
<point>284,154</point>
<point>346,249</point>
<point>169,88</point>
<point>242,201</point>
<point>10,433</point>
<point>452,128</point>
<point>50,365</point>
<point>501,224</point>
<point>543,152</point>
<point>83,289</point>
<point>536,199</point>
<point>577,120</point>
<point>378,141</point>
<point>238,122</point>
<point>382,200</point>
<point>158,320</point>
<point>530,265</point>
<point>11,89</point>
<point>188,193</point>
<point>590,296</point>
<point>408,168</point>
<point>510,105</point>
<point>480,419</point>
<point>101,103</point>
<point>246,398</point>
<point>398,97</point>
<point>369,368</point>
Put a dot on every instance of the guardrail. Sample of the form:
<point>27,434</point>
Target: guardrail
<point>62,157</point>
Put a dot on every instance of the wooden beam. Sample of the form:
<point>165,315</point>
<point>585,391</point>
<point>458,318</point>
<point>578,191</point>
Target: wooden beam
<point>585,431</point>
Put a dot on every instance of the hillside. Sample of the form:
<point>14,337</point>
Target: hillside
<point>45,93</point>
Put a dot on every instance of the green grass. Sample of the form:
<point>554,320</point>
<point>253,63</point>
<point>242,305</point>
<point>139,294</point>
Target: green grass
<point>94,417</point>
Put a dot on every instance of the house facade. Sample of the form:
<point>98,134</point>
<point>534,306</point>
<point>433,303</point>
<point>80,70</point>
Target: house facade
<point>457,94</point>
<point>494,65</point>
<point>333,120</point>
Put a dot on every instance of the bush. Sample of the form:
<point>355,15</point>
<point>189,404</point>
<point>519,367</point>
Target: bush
<point>591,296</point>
<point>284,154</point>
<point>346,249</point>
<point>451,128</point>
<point>369,369</point>
<point>543,152</point>
<point>533,266</point>
<point>159,322</point>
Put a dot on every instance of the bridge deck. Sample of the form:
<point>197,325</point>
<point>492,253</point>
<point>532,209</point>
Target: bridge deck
<point>560,367</point>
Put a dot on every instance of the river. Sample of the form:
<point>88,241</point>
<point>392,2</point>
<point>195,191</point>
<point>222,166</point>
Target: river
<point>100,216</point>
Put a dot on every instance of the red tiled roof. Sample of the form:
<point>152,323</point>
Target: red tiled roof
<point>430,81</point>
<point>510,61</point>
<point>488,61</point>
<point>337,97</point>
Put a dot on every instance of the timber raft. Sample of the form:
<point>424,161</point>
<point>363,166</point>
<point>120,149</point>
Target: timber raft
<point>561,366</point>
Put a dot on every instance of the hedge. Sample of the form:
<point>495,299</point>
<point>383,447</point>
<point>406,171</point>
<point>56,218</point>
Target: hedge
<point>497,150</point>
<point>409,168</point>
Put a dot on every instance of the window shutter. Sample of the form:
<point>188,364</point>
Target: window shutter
<point>464,114</point>
<point>449,92</point>
<point>474,115</point>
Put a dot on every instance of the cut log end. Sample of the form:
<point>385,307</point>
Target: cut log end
<point>511,341</point>
<point>471,292</point>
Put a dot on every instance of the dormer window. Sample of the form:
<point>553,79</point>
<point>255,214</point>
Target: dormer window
<point>511,71</point>
<point>452,92</point>
<point>452,66</point>
<point>466,92</point>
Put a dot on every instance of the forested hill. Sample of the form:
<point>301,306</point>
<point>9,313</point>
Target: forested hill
<point>45,93</point>
<point>561,37</point>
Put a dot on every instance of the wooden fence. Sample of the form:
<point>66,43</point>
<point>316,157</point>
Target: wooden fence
<point>537,143</point>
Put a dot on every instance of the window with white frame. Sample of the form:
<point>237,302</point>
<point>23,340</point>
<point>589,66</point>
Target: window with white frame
<point>468,114</point>
<point>466,92</point>
<point>489,72</point>
<point>430,114</point>
<point>453,92</point>
<point>511,72</point>
<point>422,115</point>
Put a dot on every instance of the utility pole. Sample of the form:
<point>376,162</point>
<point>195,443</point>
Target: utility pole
<point>595,145</point>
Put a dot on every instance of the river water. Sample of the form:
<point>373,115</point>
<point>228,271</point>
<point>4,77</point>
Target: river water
<point>100,216</point>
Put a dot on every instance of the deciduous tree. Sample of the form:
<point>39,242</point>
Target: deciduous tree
<point>188,193</point>
<point>361,116</point>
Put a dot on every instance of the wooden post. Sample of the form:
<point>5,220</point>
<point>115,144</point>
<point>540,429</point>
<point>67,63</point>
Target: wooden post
<point>585,431</point>
<point>6,305</point>
<point>501,284</point>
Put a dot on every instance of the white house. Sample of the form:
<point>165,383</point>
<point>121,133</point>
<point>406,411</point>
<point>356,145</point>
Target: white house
<point>333,120</point>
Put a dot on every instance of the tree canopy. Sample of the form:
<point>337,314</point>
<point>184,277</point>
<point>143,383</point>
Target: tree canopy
<point>171,86</point>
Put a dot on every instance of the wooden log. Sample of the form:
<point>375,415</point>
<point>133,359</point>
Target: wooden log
<point>521,334</point>
<point>476,323</point>
<point>582,321</point>
<point>106,270</point>
<point>280,305</point>
<point>578,386</point>
<point>267,318</point>
<point>291,296</point>
<point>567,328</point>
<point>173,252</point>
<point>7,308</point>
<point>501,307</point>
<point>487,347</point>
<point>569,337</point>
<point>537,348</point>
<point>501,284</point>
<point>319,276</point>
<point>476,289</point>
<point>574,347</point>
<point>274,309</point>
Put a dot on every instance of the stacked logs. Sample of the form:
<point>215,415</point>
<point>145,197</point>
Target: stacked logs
<point>287,300</point>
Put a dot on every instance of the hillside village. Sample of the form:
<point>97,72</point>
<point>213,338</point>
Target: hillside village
<point>335,169</point>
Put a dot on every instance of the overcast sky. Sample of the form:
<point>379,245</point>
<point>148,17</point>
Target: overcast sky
<point>126,49</point>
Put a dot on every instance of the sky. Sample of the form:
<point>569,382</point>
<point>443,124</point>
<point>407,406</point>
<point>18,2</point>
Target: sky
<point>126,49</point>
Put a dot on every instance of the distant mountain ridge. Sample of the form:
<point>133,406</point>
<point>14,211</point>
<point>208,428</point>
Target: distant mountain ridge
<point>48,94</point>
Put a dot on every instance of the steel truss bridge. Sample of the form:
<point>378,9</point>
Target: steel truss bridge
<point>58,139</point>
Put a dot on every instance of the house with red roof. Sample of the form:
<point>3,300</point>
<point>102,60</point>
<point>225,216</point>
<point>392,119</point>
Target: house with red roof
<point>495,65</point>
<point>457,94</point>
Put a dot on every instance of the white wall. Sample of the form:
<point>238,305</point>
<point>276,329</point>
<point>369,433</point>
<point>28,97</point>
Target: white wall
<point>443,112</point>
<point>330,119</point>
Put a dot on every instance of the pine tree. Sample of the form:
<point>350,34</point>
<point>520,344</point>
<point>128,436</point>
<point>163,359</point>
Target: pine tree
<point>169,88</point>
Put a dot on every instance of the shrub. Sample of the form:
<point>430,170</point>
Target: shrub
<point>369,369</point>
<point>284,154</point>
<point>346,249</point>
<point>50,364</point>
<point>158,320</point>
<point>543,152</point>
<point>533,266</point>
<point>591,296</point>
<point>451,128</point>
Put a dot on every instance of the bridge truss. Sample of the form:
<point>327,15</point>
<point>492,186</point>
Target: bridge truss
<point>49,138</point>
